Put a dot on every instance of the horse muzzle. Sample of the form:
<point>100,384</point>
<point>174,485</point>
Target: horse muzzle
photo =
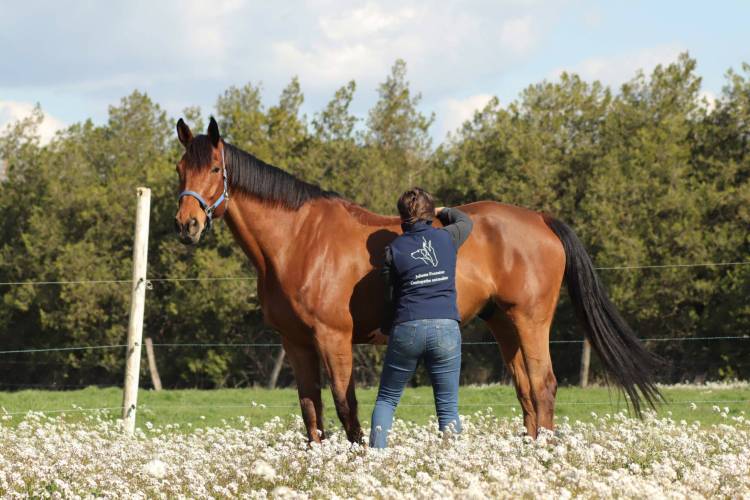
<point>189,232</point>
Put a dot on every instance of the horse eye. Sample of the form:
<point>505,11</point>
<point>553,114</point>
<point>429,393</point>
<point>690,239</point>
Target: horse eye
<point>215,169</point>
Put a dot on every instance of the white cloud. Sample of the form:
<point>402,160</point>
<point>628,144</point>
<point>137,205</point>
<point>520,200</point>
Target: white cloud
<point>186,53</point>
<point>323,65</point>
<point>204,28</point>
<point>363,22</point>
<point>518,34</point>
<point>618,69</point>
<point>357,43</point>
<point>443,46</point>
<point>12,111</point>
<point>454,112</point>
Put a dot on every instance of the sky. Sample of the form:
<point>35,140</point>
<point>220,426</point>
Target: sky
<point>77,58</point>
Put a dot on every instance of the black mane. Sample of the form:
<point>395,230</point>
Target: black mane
<point>252,176</point>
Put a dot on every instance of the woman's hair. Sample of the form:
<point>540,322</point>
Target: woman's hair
<point>416,204</point>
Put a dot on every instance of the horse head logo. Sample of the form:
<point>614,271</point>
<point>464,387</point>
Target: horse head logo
<point>426,254</point>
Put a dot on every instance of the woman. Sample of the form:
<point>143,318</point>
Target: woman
<point>422,319</point>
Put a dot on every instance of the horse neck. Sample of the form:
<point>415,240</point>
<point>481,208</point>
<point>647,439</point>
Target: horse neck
<point>263,231</point>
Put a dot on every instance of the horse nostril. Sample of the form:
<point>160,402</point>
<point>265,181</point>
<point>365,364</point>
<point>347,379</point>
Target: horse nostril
<point>192,226</point>
<point>177,225</point>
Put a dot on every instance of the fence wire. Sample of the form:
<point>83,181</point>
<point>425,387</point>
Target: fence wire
<point>253,278</point>
<point>264,345</point>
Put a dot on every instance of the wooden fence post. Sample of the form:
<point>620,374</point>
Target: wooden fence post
<point>153,370</point>
<point>276,369</point>
<point>137,306</point>
<point>585,362</point>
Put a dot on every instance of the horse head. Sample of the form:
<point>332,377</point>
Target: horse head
<point>203,182</point>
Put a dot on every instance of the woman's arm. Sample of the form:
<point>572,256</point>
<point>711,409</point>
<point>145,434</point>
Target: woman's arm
<point>456,222</point>
<point>389,309</point>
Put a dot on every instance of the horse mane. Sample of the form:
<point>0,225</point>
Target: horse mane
<point>254,177</point>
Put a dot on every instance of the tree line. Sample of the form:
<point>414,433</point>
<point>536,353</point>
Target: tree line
<point>651,173</point>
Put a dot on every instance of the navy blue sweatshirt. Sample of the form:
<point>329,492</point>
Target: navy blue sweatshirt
<point>420,270</point>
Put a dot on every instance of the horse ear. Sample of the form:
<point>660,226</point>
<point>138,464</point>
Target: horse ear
<point>184,133</point>
<point>213,132</point>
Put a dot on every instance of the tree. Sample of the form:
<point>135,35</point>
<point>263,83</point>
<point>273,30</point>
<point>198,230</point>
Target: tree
<point>242,119</point>
<point>397,141</point>
<point>646,174</point>
<point>337,160</point>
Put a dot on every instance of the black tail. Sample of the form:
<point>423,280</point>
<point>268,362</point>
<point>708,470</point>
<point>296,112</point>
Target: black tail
<point>619,350</point>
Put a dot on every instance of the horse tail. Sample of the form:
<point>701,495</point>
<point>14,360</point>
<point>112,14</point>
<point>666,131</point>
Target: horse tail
<point>624,357</point>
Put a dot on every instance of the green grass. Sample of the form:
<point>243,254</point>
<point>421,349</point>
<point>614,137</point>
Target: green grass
<point>210,407</point>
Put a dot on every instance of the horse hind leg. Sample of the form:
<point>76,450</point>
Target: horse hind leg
<point>506,335</point>
<point>533,335</point>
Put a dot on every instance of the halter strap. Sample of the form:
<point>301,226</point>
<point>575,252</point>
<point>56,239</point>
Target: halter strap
<point>209,209</point>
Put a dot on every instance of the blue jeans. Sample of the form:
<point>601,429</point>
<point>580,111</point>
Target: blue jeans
<point>438,342</point>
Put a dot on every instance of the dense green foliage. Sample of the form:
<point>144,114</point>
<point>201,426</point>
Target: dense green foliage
<point>650,173</point>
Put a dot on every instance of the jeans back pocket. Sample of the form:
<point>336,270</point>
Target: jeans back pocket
<point>404,337</point>
<point>448,337</point>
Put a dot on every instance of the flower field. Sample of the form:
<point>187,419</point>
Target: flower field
<point>609,455</point>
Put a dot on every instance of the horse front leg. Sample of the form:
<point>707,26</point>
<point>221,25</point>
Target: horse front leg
<point>335,349</point>
<point>306,365</point>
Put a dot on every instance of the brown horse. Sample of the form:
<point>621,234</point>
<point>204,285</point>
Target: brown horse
<point>317,257</point>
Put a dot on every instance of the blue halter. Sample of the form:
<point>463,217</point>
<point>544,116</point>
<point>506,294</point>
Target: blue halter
<point>209,209</point>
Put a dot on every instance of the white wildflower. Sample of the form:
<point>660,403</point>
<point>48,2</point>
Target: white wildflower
<point>423,477</point>
<point>612,455</point>
<point>282,492</point>
<point>263,470</point>
<point>155,468</point>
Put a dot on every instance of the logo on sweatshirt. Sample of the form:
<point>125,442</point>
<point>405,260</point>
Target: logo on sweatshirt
<point>426,254</point>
